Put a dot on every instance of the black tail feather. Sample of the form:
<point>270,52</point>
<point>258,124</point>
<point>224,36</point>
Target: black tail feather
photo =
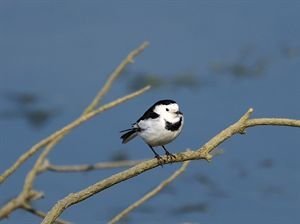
<point>129,129</point>
<point>128,135</point>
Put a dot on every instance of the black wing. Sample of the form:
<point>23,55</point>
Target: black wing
<point>148,114</point>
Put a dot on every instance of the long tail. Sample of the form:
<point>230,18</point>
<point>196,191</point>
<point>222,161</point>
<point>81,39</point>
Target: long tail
<point>130,134</point>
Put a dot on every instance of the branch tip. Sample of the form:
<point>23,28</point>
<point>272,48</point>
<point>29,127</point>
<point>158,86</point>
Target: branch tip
<point>248,113</point>
<point>145,44</point>
<point>245,117</point>
<point>208,157</point>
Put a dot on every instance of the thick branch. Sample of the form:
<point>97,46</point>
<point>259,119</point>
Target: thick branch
<point>202,153</point>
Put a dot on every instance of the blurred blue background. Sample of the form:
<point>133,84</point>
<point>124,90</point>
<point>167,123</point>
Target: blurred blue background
<point>215,58</point>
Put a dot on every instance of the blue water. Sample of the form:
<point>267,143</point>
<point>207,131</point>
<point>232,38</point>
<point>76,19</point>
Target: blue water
<point>238,54</point>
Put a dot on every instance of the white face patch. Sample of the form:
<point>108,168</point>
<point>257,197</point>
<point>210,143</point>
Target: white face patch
<point>169,112</point>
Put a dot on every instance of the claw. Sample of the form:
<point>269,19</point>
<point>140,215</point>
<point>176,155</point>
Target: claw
<point>168,154</point>
<point>160,160</point>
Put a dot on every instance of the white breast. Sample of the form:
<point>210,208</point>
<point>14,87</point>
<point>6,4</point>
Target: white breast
<point>154,132</point>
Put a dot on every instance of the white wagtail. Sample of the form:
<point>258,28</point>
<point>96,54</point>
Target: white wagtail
<point>158,126</point>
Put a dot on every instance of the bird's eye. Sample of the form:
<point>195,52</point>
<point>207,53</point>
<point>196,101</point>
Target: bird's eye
<point>167,109</point>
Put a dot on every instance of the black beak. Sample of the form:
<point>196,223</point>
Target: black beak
<point>178,112</point>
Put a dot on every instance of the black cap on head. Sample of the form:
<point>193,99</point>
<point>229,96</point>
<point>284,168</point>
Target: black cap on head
<point>164,102</point>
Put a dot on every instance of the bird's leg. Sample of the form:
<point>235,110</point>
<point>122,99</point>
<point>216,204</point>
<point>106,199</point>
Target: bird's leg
<point>158,157</point>
<point>168,154</point>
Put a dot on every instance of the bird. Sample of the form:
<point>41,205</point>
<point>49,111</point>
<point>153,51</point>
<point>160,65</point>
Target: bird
<point>158,126</point>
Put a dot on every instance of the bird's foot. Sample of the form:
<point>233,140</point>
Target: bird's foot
<point>170,156</point>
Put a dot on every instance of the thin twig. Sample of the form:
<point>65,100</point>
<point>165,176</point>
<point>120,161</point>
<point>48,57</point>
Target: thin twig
<point>201,153</point>
<point>65,130</point>
<point>150,194</point>
<point>28,184</point>
<point>115,74</point>
<point>89,167</point>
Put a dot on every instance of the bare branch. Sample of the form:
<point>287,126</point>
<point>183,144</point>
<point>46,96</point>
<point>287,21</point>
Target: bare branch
<point>273,121</point>
<point>150,194</point>
<point>201,153</point>
<point>65,130</point>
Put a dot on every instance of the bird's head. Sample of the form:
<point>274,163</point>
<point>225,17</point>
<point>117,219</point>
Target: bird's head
<point>168,109</point>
